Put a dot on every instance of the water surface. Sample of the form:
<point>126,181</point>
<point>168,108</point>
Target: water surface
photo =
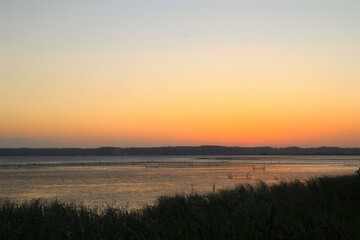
<point>131,181</point>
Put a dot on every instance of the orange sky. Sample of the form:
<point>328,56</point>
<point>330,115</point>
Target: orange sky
<point>199,88</point>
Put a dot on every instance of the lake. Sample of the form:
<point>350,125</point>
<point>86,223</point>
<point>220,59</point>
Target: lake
<point>132,181</point>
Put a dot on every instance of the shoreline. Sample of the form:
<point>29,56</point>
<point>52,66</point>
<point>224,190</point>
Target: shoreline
<point>319,207</point>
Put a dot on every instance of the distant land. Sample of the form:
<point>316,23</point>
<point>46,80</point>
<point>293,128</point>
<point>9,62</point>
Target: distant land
<point>178,150</point>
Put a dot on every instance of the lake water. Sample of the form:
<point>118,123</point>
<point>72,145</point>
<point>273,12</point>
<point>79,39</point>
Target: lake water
<point>131,181</point>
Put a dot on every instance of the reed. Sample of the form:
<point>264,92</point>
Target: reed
<point>319,208</point>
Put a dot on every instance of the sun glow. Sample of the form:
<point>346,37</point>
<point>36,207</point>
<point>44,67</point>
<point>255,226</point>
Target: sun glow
<point>188,85</point>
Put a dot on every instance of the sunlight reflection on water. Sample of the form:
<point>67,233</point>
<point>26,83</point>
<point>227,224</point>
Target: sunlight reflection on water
<point>134,181</point>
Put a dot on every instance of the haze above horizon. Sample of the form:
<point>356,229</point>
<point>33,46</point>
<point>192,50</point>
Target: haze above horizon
<point>181,72</point>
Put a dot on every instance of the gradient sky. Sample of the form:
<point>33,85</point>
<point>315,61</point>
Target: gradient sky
<point>92,73</point>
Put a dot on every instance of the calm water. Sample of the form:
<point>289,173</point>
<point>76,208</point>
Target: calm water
<point>133,181</point>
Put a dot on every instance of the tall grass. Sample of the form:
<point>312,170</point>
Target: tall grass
<point>320,208</point>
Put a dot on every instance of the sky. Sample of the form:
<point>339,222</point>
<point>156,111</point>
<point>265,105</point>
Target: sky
<point>91,73</point>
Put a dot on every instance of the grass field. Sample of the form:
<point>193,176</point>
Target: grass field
<point>320,208</point>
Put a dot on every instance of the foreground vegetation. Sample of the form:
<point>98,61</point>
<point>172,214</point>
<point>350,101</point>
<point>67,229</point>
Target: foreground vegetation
<point>321,208</point>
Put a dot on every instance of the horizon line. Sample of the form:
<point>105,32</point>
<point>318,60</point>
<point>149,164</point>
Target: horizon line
<point>177,146</point>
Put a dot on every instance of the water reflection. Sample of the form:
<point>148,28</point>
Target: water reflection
<point>134,182</point>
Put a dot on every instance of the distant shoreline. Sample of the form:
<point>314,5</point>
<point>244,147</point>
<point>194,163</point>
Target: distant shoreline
<point>178,150</point>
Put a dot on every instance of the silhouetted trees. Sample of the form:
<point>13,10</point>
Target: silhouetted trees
<point>180,150</point>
